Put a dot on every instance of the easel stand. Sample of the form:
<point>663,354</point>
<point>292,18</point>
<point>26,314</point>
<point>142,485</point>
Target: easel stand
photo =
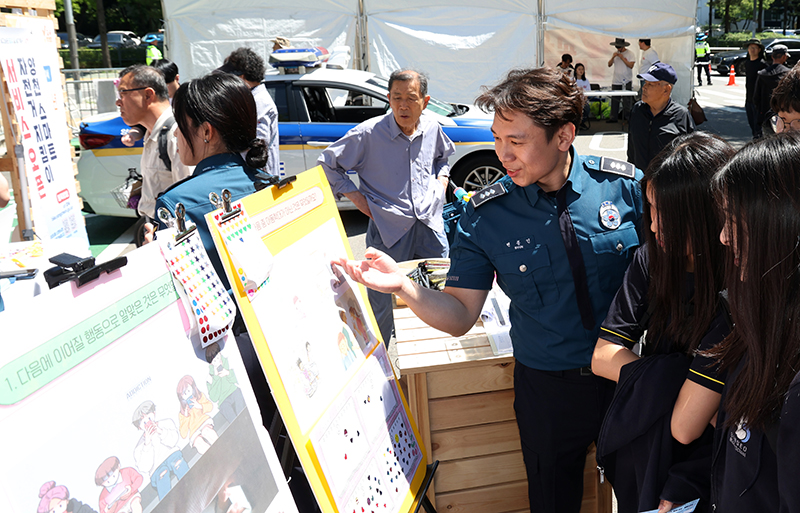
<point>425,502</point>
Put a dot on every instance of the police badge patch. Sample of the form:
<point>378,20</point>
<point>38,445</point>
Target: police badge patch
<point>609,215</point>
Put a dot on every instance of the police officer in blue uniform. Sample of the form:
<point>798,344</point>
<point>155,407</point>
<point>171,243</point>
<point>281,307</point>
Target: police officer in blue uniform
<point>559,232</point>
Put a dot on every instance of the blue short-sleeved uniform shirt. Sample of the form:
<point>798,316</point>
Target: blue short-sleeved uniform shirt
<point>516,234</point>
<point>212,174</point>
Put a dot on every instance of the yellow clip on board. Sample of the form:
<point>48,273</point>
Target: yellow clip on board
<point>317,340</point>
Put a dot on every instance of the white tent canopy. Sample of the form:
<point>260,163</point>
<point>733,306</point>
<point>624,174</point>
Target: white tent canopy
<point>461,44</point>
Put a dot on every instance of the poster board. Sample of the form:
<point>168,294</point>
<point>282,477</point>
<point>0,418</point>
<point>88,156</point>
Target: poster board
<point>103,357</point>
<point>31,71</point>
<point>318,343</point>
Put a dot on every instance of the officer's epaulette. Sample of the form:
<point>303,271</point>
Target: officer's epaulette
<point>493,191</point>
<point>613,166</point>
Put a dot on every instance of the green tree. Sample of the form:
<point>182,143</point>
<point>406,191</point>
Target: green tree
<point>139,16</point>
<point>741,10</point>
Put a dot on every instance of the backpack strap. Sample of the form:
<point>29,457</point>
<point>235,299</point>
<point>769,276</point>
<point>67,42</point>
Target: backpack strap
<point>163,142</point>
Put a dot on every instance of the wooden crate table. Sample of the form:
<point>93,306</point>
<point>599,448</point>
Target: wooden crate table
<point>462,398</point>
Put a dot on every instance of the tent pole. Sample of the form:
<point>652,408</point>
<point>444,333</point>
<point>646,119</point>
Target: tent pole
<point>540,33</point>
<point>363,38</point>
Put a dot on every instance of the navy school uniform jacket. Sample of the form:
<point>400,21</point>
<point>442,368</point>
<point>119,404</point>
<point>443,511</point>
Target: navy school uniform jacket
<point>789,450</point>
<point>744,466</point>
<point>635,446</point>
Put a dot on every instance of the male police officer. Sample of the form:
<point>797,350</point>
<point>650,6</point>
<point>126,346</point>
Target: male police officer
<point>559,230</point>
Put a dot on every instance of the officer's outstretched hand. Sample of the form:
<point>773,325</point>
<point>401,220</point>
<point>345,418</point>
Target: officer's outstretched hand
<point>377,271</point>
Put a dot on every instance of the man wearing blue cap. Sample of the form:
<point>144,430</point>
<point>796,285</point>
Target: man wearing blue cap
<point>656,120</point>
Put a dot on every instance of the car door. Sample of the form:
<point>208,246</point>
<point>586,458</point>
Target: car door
<point>332,111</point>
<point>794,52</point>
<point>289,117</point>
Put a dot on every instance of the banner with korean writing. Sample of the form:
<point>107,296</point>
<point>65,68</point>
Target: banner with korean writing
<point>31,71</point>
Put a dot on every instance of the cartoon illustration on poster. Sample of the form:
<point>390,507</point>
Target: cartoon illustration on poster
<point>113,412</point>
<point>323,336</point>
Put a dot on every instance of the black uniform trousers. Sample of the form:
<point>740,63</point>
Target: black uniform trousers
<point>703,64</point>
<point>627,101</point>
<point>559,414</point>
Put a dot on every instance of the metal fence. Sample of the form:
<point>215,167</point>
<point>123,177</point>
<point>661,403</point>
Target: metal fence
<point>82,93</point>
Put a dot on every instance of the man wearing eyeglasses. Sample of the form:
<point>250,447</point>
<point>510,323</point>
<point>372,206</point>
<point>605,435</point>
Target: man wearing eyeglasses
<point>144,100</point>
<point>786,102</point>
<point>656,120</point>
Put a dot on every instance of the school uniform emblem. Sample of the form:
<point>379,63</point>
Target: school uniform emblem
<point>609,215</point>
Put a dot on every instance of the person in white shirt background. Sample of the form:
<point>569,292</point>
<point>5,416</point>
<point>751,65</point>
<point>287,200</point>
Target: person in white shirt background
<point>649,57</point>
<point>580,77</point>
<point>622,60</point>
<point>565,66</point>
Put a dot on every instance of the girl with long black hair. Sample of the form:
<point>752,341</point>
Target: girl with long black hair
<point>757,445</point>
<point>670,292</point>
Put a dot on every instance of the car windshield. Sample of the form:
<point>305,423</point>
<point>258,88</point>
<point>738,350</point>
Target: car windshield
<point>116,38</point>
<point>434,105</point>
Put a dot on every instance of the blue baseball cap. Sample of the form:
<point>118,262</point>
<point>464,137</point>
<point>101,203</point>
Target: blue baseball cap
<point>659,71</point>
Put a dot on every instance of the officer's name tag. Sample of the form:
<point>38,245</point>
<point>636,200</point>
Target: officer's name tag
<point>686,508</point>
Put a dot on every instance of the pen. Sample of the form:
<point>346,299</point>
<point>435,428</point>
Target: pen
<point>499,312</point>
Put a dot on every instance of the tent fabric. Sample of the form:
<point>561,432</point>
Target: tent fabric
<point>460,51</point>
<point>461,44</point>
<point>200,34</point>
<point>612,8</point>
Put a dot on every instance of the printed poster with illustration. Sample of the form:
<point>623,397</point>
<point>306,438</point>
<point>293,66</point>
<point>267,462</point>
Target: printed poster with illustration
<point>318,343</point>
<point>111,410</point>
<point>325,333</point>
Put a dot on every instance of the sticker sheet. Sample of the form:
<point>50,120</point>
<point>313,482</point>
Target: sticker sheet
<point>365,443</point>
<point>111,410</point>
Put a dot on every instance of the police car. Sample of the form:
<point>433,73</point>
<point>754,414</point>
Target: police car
<point>315,109</point>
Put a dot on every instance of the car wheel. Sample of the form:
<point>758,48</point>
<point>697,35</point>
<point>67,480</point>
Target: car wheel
<point>138,232</point>
<point>723,70</point>
<point>477,172</point>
